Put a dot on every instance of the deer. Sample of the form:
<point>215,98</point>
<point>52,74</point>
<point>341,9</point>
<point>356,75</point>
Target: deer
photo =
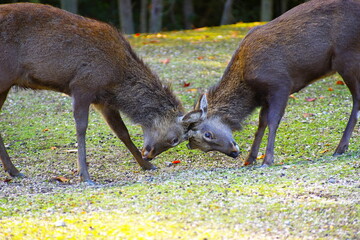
<point>309,42</point>
<point>46,48</point>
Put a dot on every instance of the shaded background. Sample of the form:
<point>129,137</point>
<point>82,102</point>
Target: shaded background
<point>132,16</point>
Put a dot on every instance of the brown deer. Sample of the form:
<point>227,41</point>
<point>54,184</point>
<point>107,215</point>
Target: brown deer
<point>43,47</point>
<point>310,41</point>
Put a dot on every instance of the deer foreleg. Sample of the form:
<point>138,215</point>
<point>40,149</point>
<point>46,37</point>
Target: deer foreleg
<point>81,106</point>
<point>116,123</point>
<point>277,103</point>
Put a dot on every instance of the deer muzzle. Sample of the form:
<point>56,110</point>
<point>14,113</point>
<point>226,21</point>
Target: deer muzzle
<point>234,150</point>
<point>148,153</point>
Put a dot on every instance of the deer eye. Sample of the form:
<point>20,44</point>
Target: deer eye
<point>175,141</point>
<point>208,135</point>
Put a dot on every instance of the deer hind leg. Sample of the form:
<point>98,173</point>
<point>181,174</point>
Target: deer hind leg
<point>115,122</point>
<point>352,80</point>
<point>251,159</point>
<point>5,159</point>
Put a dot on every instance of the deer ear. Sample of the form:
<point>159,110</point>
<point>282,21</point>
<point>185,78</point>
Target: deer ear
<point>202,103</point>
<point>198,114</point>
<point>192,117</point>
<point>195,116</point>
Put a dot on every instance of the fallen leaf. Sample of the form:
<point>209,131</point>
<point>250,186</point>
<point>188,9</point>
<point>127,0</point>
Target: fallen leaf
<point>151,41</point>
<point>186,84</point>
<point>234,34</point>
<point>340,83</point>
<point>261,157</point>
<point>137,34</point>
<point>321,97</point>
<point>6,180</point>
<point>45,130</point>
<point>246,163</point>
<point>53,148</point>
<point>192,90</point>
<point>308,115</point>
<point>61,179</point>
<point>293,97</point>
<point>159,35</point>
<point>165,61</point>
<point>176,162</point>
<point>200,57</point>
<point>310,99</point>
<point>71,150</point>
<point>324,151</point>
<point>330,89</point>
<point>200,29</point>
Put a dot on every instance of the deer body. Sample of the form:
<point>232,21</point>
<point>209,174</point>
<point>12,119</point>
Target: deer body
<point>312,40</point>
<point>43,47</point>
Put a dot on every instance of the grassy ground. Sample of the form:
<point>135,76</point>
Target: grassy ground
<point>307,194</point>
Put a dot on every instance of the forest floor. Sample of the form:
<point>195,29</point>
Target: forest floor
<point>307,194</point>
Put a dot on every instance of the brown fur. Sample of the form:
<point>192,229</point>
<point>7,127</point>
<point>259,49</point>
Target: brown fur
<point>43,47</point>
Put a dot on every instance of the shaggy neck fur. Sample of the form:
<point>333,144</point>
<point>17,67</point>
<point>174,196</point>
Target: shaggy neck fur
<point>144,98</point>
<point>232,100</point>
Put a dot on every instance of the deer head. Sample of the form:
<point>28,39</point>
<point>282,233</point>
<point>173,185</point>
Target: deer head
<point>166,133</point>
<point>210,133</point>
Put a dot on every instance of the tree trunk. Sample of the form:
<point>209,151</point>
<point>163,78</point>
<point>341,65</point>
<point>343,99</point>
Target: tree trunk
<point>283,7</point>
<point>156,16</point>
<point>266,10</point>
<point>143,16</point>
<point>227,17</point>
<point>172,14</point>
<point>126,17</point>
<point>188,10</point>
<point>70,5</point>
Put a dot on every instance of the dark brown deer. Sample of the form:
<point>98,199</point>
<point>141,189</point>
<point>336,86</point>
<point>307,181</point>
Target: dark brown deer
<point>43,47</point>
<point>312,40</point>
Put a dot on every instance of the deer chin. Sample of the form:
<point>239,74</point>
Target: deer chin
<point>190,145</point>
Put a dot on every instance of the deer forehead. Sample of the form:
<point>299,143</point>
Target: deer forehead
<point>215,124</point>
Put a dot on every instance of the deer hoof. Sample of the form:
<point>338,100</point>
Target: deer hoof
<point>17,175</point>
<point>90,182</point>
<point>338,153</point>
<point>340,150</point>
<point>150,167</point>
<point>264,165</point>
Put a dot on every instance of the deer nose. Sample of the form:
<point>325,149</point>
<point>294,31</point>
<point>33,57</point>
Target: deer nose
<point>148,153</point>
<point>234,151</point>
<point>233,154</point>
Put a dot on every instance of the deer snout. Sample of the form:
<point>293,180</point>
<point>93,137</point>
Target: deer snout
<point>234,150</point>
<point>233,154</point>
<point>148,153</point>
